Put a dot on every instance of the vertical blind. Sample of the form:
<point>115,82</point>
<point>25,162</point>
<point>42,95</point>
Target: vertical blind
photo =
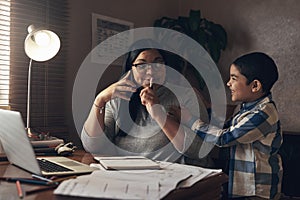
<point>47,81</point>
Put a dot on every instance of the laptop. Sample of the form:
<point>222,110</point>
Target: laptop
<point>20,152</point>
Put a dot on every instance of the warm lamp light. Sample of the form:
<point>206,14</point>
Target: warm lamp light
<point>40,45</point>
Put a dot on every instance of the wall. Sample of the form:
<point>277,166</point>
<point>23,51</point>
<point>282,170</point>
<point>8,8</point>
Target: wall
<point>140,12</point>
<point>271,26</point>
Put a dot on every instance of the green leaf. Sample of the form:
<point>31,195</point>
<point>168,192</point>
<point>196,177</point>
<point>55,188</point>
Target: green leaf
<point>194,20</point>
<point>214,50</point>
<point>220,35</point>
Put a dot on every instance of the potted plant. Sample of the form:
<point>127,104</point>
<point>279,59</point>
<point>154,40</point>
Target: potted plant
<point>210,35</point>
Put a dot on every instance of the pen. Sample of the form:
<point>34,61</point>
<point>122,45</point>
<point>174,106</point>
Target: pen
<point>19,189</point>
<point>3,159</point>
<point>151,84</point>
<point>41,178</point>
<point>29,181</point>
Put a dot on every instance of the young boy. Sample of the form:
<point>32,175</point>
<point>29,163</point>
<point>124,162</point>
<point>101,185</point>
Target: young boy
<point>254,134</point>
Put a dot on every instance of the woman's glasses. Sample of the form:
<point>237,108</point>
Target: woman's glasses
<point>142,67</point>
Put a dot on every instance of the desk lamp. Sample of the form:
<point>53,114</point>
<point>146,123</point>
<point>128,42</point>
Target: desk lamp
<point>40,45</point>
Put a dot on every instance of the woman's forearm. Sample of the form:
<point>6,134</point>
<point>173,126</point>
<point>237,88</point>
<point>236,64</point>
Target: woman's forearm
<point>94,125</point>
<point>170,127</point>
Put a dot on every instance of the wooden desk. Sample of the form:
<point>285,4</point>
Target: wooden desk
<point>208,188</point>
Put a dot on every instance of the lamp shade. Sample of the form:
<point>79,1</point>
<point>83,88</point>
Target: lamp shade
<point>41,44</point>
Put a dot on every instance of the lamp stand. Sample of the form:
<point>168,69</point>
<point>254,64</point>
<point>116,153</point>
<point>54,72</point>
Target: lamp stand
<point>28,100</point>
<point>39,45</point>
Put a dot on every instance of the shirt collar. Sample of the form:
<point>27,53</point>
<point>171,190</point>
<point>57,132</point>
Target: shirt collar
<point>250,105</point>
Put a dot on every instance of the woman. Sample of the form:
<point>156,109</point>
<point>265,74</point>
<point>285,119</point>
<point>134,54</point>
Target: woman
<point>131,116</point>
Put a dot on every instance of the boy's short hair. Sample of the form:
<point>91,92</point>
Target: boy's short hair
<point>259,66</point>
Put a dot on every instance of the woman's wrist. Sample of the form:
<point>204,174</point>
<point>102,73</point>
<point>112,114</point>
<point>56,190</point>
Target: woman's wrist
<point>100,108</point>
<point>99,104</point>
<point>100,100</point>
<point>158,112</point>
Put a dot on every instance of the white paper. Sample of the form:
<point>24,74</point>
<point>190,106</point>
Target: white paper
<point>134,184</point>
<point>110,184</point>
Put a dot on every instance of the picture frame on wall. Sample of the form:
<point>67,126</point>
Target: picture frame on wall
<point>103,27</point>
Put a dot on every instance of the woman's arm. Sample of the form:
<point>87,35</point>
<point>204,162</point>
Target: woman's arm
<point>169,125</point>
<point>94,125</point>
<point>96,144</point>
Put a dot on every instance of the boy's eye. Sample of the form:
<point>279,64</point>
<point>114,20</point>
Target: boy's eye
<point>233,78</point>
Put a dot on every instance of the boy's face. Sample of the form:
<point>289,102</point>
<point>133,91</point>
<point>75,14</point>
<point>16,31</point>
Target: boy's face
<point>237,83</point>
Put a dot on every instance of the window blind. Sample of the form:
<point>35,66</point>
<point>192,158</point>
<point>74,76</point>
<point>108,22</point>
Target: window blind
<point>4,52</point>
<point>47,81</point>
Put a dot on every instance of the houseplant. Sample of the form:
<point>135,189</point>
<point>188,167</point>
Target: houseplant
<point>210,35</point>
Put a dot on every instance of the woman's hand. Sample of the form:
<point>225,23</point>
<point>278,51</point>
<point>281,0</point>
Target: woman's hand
<point>122,89</point>
<point>148,99</point>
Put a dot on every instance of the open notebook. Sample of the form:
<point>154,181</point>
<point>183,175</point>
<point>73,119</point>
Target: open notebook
<point>19,150</point>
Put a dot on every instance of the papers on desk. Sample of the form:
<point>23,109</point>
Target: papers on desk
<point>134,184</point>
<point>110,184</point>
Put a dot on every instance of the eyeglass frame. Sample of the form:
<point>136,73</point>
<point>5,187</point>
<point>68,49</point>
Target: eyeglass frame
<point>156,66</point>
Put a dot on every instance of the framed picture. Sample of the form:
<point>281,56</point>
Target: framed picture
<point>104,27</point>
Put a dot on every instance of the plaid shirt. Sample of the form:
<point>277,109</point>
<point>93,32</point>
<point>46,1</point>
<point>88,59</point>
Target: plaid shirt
<point>254,136</point>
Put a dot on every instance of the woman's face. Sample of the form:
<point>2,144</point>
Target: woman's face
<point>149,64</point>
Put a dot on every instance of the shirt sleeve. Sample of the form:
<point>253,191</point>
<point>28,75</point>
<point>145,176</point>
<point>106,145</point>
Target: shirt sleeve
<point>246,128</point>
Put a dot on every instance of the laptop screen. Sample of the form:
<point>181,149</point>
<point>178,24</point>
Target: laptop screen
<point>15,141</point>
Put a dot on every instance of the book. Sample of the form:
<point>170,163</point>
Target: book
<point>126,162</point>
<point>48,143</point>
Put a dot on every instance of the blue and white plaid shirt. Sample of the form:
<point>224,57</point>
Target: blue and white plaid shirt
<point>254,136</point>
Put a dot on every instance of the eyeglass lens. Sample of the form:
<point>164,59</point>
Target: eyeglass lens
<point>143,67</point>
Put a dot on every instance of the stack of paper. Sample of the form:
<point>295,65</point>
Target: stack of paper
<point>134,184</point>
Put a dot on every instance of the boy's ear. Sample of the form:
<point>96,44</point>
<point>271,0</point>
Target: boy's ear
<point>256,86</point>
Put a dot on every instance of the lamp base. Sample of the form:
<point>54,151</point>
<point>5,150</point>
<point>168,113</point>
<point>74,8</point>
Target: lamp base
<point>33,136</point>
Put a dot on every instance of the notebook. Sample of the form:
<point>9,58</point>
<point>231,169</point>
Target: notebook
<point>19,150</point>
<point>126,162</point>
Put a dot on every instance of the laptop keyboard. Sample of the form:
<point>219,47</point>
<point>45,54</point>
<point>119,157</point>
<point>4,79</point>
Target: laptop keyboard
<point>48,166</point>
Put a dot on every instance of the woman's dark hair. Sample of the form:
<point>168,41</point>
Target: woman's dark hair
<point>138,112</point>
<point>136,48</point>
<point>259,66</point>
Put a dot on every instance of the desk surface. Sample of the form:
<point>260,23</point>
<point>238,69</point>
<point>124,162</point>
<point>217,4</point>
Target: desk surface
<point>208,188</point>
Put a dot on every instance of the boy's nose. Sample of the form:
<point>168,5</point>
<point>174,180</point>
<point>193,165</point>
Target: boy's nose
<point>228,83</point>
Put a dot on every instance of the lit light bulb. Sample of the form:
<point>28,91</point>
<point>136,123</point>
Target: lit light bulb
<point>42,38</point>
